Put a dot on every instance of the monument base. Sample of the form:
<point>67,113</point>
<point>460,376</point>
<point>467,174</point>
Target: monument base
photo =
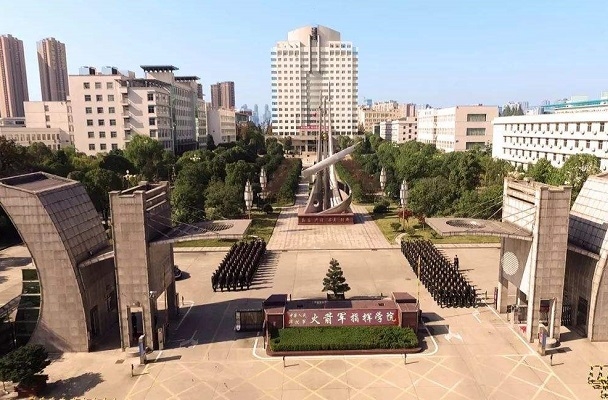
<point>347,218</point>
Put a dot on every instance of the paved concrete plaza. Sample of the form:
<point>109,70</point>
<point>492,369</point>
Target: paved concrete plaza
<point>473,353</point>
<point>12,260</point>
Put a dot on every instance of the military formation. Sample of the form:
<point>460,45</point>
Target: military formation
<point>442,278</point>
<point>239,266</point>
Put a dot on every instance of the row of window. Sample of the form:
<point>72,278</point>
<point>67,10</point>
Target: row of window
<point>575,143</point>
<point>33,137</point>
<point>98,97</point>
<point>89,110</point>
<point>98,85</point>
<point>102,146</point>
<point>101,122</point>
<point>556,126</point>
<point>102,134</point>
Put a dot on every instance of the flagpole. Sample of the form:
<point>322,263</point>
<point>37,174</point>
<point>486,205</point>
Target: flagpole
<point>418,280</point>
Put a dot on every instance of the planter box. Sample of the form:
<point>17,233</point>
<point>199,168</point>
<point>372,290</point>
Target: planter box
<point>340,352</point>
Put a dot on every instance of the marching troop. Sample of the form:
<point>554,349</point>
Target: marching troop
<point>239,266</point>
<point>443,279</point>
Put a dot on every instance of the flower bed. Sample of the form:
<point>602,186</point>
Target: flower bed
<point>343,338</point>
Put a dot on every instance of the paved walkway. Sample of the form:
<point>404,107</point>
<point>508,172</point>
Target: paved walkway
<point>288,235</point>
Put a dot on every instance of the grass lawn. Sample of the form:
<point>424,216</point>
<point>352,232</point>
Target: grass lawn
<point>384,223</point>
<point>261,226</point>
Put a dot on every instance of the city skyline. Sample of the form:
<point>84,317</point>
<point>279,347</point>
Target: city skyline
<point>441,54</point>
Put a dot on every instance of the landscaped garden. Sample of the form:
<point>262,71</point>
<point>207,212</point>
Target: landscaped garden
<point>343,338</point>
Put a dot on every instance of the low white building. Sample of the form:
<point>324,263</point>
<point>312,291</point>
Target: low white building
<point>221,124</point>
<point>523,140</point>
<point>400,130</point>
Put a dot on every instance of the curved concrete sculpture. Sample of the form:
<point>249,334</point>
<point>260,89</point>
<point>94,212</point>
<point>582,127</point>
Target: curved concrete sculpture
<point>61,228</point>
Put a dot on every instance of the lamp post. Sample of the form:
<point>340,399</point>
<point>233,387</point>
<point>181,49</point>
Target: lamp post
<point>403,197</point>
<point>263,182</point>
<point>248,196</point>
<point>382,180</point>
<point>128,178</point>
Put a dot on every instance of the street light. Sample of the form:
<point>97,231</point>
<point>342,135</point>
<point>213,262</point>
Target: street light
<point>403,197</point>
<point>248,196</point>
<point>263,182</point>
<point>382,179</point>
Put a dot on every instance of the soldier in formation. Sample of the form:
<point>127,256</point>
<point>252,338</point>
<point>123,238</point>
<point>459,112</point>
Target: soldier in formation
<point>443,279</point>
<point>239,266</point>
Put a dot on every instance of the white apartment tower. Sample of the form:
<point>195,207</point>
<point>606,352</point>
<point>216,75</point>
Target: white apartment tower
<point>313,63</point>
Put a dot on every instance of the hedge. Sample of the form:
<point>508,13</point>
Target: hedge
<point>287,192</point>
<point>343,338</point>
<point>356,189</point>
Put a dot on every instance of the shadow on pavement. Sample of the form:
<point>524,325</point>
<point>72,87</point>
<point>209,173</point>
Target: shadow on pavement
<point>73,387</point>
<point>8,262</point>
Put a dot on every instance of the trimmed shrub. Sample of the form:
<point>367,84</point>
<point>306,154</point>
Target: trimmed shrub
<point>381,207</point>
<point>267,208</point>
<point>287,192</point>
<point>343,338</point>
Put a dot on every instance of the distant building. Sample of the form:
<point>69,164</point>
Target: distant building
<point>457,128</point>
<point>313,64</point>
<point>13,78</point>
<point>255,117</point>
<point>370,118</point>
<point>53,70</point>
<point>267,115</point>
<point>221,124</point>
<point>400,130</point>
<point>222,95</point>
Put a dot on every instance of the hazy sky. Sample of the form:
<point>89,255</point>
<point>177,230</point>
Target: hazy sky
<point>441,52</point>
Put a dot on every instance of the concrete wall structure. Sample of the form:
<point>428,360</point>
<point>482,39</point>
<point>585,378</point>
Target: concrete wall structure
<point>144,270</point>
<point>536,268</point>
<point>58,223</point>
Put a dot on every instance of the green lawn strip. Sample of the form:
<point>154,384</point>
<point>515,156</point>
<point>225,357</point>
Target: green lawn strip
<point>385,220</point>
<point>262,225</point>
<point>343,338</point>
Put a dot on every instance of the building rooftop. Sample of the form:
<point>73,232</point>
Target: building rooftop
<point>158,68</point>
<point>477,227</point>
<point>36,182</point>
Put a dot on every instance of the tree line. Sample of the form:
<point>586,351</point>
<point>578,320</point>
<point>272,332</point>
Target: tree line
<point>463,184</point>
<point>207,184</point>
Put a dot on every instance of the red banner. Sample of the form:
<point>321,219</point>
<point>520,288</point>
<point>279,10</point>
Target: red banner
<point>340,317</point>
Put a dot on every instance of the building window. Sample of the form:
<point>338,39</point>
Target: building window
<point>476,131</point>
<point>110,97</point>
<point>600,145</point>
<point>113,134</point>
<point>97,85</point>
<point>101,122</point>
<point>114,146</point>
<point>109,85</point>
<point>87,97</point>
<point>472,145</point>
<point>89,122</point>
<point>601,127</point>
<point>47,118</point>
<point>589,127</point>
<point>588,144</point>
<point>111,110</point>
<point>150,96</point>
<point>150,109</point>
<point>99,110</point>
<point>476,118</point>
<point>91,146</point>
<point>152,133</point>
<point>578,127</point>
<point>91,135</point>
<point>576,143</point>
<point>88,110</point>
<point>46,108</point>
<point>152,121</point>
<point>102,146</point>
<point>98,97</point>
<point>102,135</point>
<point>86,85</point>
<point>112,122</point>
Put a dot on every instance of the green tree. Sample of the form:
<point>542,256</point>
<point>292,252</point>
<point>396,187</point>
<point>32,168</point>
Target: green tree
<point>223,200</point>
<point>345,141</point>
<point>239,172</point>
<point>22,364</point>
<point>149,157</point>
<point>99,183</point>
<point>543,171</point>
<point>577,169</point>
<point>288,144</point>
<point>13,158</point>
<point>117,163</point>
<point>432,196</point>
<point>334,280</point>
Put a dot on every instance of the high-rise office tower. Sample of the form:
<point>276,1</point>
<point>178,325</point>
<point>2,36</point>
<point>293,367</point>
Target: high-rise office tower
<point>222,95</point>
<point>313,66</point>
<point>53,70</point>
<point>255,117</point>
<point>13,79</point>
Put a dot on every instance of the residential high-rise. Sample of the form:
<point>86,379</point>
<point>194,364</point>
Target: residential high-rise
<point>13,79</point>
<point>53,70</point>
<point>311,66</point>
<point>222,95</point>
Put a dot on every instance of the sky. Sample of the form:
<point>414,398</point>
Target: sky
<point>438,52</point>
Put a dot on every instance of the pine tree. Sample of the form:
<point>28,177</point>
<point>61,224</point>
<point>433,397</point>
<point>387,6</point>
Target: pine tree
<point>334,280</point>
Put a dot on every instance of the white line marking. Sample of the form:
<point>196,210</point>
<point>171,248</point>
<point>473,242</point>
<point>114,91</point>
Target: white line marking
<point>412,355</point>
<point>185,315</point>
<point>476,316</point>
<point>533,352</point>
